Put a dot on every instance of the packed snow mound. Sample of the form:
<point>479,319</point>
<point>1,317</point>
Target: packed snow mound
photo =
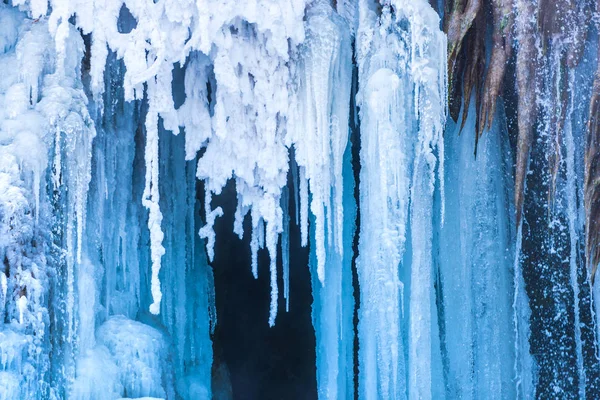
<point>13,350</point>
<point>130,359</point>
<point>97,377</point>
<point>140,398</point>
<point>193,386</point>
<point>141,355</point>
<point>17,375</point>
<point>9,386</point>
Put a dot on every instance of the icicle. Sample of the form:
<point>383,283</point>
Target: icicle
<point>194,114</point>
<point>333,303</point>
<point>22,305</point>
<point>271,239</point>
<point>86,308</point>
<point>431,111</point>
<point>207,231</point>
<point>57,160</point>
<point>527,61</point>
<point>3,290</point>
<point>303,208</point>
<point>257,228</point>
<point>474,285</point>
<point>285,247</point>
<point>296,187</point>
<point>151,198</point>
<point>321,134</point>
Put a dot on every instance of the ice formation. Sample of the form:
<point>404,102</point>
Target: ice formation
<point>449,207</point>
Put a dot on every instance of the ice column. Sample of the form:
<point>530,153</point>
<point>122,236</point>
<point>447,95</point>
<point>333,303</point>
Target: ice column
<point>401,58</point>
<point>322,150</point>
<point>476,257</point>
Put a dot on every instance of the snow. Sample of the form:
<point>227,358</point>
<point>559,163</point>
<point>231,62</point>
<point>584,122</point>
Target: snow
<point>17,373</point>
<point>98,376</point>
<point>9,386</point>
<point>140,356</point>
<point>190,387</point>
<point>9,29</point>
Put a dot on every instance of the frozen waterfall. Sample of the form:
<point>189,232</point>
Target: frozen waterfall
<point>332,199</point>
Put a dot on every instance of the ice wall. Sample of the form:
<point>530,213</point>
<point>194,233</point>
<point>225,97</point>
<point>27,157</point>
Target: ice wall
<point>320,132</point>
<point>475,278</point>
<point>44,111</point>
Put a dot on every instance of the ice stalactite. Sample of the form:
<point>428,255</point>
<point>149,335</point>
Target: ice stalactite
<point>161,34</point>
<point>251,107</point>
<point>113,248</point>
<point>574,226</point>
<point>285,247</point>
<point>333,306</point>
<point>402,81</point>
<point>151,196</point>
<point>187,311</point>
<point>194,113</point>
<point>319,132</point>
<point>64,104</point>
<point>526,61</point>
<point>524,368</point>
<point>116,245</point>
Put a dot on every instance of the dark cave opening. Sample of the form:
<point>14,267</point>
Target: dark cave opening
<point>263,362</point>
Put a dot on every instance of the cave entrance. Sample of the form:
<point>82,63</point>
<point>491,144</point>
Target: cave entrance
<point>263,363</point>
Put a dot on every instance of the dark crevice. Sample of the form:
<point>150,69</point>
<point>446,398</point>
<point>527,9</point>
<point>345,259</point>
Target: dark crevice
<point>127,21</point>
<point>263,363</point>
<point>355,143</point>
